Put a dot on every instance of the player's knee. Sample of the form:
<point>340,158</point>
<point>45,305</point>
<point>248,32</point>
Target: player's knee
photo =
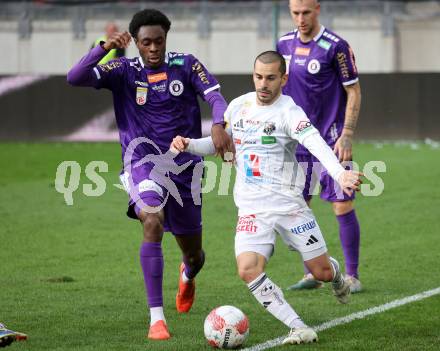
<point>195,259</point>
<point>342,207</point>
<point>153,226</point>
<point>248,273</point>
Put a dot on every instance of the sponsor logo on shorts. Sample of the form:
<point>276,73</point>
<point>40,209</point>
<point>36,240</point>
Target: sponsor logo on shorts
<point>246,224</point>
<point>158,77</point>
<point>303,227</point>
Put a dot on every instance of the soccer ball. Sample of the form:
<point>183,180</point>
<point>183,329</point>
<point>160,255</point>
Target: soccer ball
<point>226,327</point>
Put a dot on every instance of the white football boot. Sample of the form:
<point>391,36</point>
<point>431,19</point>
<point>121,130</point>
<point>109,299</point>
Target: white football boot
<point>303,335</point>
<point>354,283</point>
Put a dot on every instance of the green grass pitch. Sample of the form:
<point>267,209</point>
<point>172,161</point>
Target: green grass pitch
<point>70,275</point>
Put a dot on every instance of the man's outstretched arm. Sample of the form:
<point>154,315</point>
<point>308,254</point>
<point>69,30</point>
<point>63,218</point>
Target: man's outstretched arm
<point>82,74</point>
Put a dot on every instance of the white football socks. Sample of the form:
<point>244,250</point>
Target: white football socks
<point>272,299</point>
<point>156,314</point>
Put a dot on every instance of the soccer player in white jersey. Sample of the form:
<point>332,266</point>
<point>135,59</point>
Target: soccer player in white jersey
<point>266,128</point>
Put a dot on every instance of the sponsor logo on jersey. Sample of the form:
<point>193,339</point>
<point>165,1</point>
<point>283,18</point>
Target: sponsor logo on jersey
<point>343,65</point>
<point>177,62</point>
<point>300,62</point>
<point>161,88</point>
<point>303,227</point>
<point>107,67</point>
<point>268,140</point>
<point>250,141</point>
<point>141,95</point>
<point>269,128</point>
<point>324,44</point>
<point>246,224</point>
<point>237,141</point>
<point>176,87</point>
<point>176,54</point>
<point>239,124</point>
<point>158,77</point>
<point>252,165</point>
<point>142,84</point>
<point>198,68</point>
<point>302,51</point>
<point>252,122</point>
<point>314,66</point>
<point>302,127</point>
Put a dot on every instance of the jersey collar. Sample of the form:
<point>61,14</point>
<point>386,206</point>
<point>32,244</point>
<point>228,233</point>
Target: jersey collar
<point>316,37</point>
<point>142,61</point>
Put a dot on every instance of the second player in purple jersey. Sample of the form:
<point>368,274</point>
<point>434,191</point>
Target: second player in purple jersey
<point>323,80</point>
<point>155,98</point>
<point>320,69</point>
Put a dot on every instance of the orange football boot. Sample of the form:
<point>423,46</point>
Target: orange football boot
<point>159,331</point>
<point>185,294</point>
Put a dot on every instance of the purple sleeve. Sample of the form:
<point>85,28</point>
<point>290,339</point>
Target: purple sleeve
<point>218,106</point>
<point>345,63</point>
<point>202,81</point>
<point>82,73</point>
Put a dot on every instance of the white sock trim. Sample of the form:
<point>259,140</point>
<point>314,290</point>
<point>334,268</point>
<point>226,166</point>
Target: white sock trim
<point>156,314</point>
<point>185,279</point>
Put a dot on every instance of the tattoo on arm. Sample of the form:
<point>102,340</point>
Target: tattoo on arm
<point>353,106</point>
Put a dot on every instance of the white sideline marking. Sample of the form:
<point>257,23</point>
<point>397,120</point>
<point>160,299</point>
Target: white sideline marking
<point>352,317</point>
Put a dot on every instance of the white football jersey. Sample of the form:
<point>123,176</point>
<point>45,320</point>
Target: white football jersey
<point>265,139</point>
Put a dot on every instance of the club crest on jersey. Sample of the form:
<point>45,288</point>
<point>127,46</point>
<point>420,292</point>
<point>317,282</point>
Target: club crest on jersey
<point>176,87</point>
<point>141,95</point>
<point>269,128</point>
<point>314,66</point>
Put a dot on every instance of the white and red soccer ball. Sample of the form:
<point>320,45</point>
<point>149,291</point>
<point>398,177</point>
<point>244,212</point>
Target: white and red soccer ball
<point>226,327</point>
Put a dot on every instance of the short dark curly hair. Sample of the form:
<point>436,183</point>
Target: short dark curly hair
<point>148,17</point>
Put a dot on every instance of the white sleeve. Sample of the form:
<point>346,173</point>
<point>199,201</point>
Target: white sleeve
<point>319,148</point>
<point>201,147</point>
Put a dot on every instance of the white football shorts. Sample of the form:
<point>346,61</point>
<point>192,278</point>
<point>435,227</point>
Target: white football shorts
<point>299,231</point>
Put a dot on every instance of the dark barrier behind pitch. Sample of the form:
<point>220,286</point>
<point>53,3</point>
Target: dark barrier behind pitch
<point>394,106</point>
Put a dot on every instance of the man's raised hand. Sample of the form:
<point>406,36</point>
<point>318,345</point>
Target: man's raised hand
<point>117,41</point>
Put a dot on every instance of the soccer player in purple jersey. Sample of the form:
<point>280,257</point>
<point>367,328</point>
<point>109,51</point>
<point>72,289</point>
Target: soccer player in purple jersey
<point>155,98</point>
<point>323,80</point>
